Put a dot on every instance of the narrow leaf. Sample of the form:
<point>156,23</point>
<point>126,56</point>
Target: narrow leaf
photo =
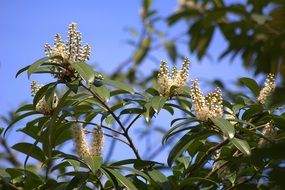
<point>32,150</point>
<point>34,67</point>
<point>125,181</point>
<point>242,145</point>
<point>85,71</point>
<point>251,84</point>
<point>119,85</point>
<point>158,102</point>
<point>226,127</point>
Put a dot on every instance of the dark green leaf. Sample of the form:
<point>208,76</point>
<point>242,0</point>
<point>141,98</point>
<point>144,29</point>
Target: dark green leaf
<point>171,50</point>
<point>119,85</point>
<point>31,150</point>
<point>251,84</point>
<point>102,91</point>
<point>125,181</point>
<point>181,146</point>
<point>22,70</point>
<point>242,145</point>
<point>226,127</point>
<point>94,163</point>
<point>85,71</point>
<point>158,102</point>
<point>34,67</point>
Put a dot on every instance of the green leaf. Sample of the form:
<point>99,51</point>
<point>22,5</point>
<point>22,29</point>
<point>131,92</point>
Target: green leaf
<point>132,111</point>
<point>260,19</point>
<point>18,119</point>
<point>169,132</point>
<point>171,50</point>
<point>251,84</point>
<point>181,146</point>
<point>119,85</point>
<point>125,181</point>
<point>242,145</point>
<point>226,127</point>
<point>94,163</point>
<point>43,91</point>
<point>102,91</point>
<point>142,50</point>
<point>85,71</point>
<point>31,150</point>
<point>159,178</point>
<point>22,70</point>
<point>34,67</point>
<point>158,102</point>
<point>251,111</point>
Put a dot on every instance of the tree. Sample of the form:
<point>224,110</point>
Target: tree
<point>222,140</point>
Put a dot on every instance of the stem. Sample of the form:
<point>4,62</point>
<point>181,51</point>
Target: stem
<point>125,132</point>
<point>95,124</point>
<point>191,172</point>
<point>133,121</point>
<point>117,138</point>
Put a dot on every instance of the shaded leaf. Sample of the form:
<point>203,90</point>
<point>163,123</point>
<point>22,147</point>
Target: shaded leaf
<point>31,150</point>
<point>119,85</point>
<point>85,71</point>
<point>242,145</point>
<point>226,127</point>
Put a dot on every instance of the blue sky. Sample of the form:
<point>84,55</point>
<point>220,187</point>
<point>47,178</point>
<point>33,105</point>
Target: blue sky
<point>27,25</point>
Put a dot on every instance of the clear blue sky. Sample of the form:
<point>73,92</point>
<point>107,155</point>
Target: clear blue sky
<point>27,25</point>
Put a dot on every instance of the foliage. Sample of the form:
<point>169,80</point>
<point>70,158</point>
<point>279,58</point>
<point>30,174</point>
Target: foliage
<point>241,149</point>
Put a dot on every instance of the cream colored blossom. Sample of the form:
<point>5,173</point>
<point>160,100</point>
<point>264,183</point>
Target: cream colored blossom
<point>43,106</point>
<point>98,142</point>
<point>269,87</point>
<point>64,53</point>
<point>268,131</point>
<point>176,79</point>
<point>80,141</point>
<point>71,50</point>
<point>206,107</point>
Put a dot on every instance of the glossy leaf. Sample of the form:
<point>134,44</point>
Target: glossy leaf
<point>158,102</point>
<point>102,91</point>
<point>181,146</point>
<point>125,181</point>
<point>31,150</point>
<point>34,67</point>
<point>242,145</point>
<point>85,71</point>
<point>119,85</point>
<point>94,163</point>
<point>226,127</point>
<point>250,84</point>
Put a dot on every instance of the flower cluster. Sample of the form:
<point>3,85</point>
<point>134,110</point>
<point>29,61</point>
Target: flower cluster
<point>269,87</point>
<point>43,106</point>
<point>98,142</point>
<point>81,144</point>
<point>206,107</point>
<point>269,131</point>
<point>71,50</point>
<point>171,84</point>
<point>64,53</point>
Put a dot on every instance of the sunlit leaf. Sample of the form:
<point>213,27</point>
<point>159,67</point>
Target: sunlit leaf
<point>226,127</point>
<point>242,145</point>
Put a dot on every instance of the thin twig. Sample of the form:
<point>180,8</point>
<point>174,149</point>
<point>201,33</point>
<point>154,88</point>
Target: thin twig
<point>191,172</point>
<point>133,121</point>
<point>95,124</point>
<point>117,138</point>
<point>131,144</point>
